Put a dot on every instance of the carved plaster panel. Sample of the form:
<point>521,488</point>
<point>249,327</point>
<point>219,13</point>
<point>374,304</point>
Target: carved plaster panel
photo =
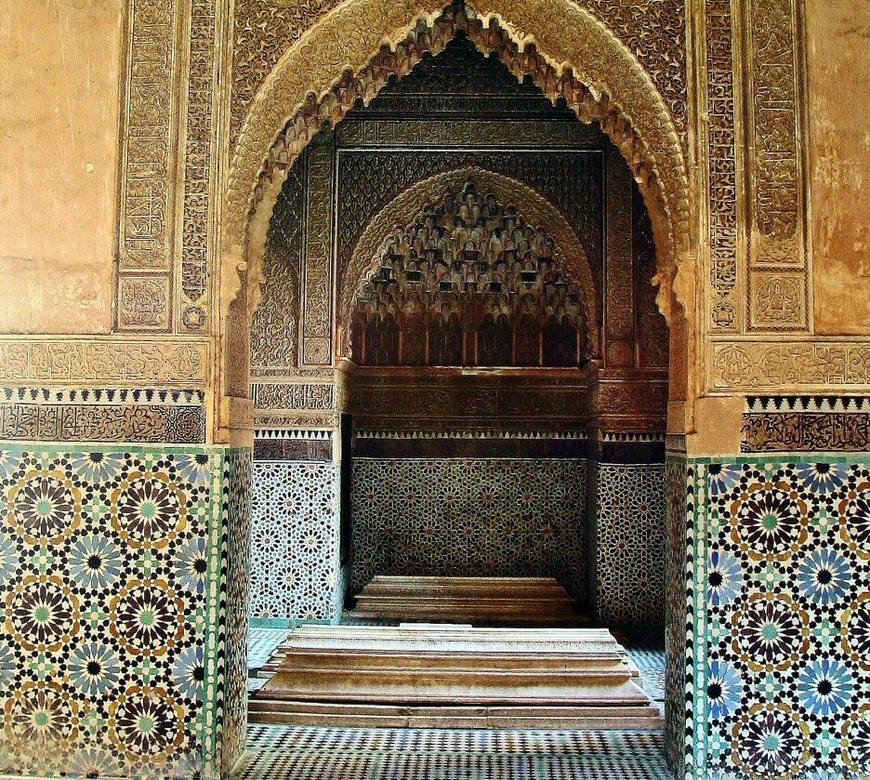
<point>722,166</point>
<point>806,424</point>
<point>147,164</point>
<point>296,396</point>
<point>104,362</point>
<point>268,419</point>
<point>102,415</point>
<point>655,32</point>
<point>630,402</point>
<point>653,335</point>
<point>147,137</point>
<point>461,132</point>
<point>198,157</point>
<point>776,169</point>
<point>143,302</point>
<point>274,330</point>
<point>398,399</point>
<point>263,30</point>
<point>778,299</point>
<point>619,303</point>
<point>809,366</point>
<point>317,263</point>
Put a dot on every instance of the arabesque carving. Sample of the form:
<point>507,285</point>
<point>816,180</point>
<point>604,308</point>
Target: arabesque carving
<point>568,253</point>
<point>619,308</point>
<point>105,362</point>
<point>776,169</point>
<point>147,136</point>
<point>808,365</point>
<point>98,415</point>
<point>275,327</point>
<point>263,31</point>
<point>805,424</point>
<point>143,302</point>
<point>317,264</point>
<point>198,160</point>
<point>653,31</point>
<point>619,94</point>
<point>286,396</point>
<point>722,165</point>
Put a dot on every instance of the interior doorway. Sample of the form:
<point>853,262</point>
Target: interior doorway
<point>502,362</point>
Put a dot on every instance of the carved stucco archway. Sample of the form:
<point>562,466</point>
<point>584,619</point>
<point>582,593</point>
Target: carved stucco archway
<point>407,206</point>
<point>565,49</point>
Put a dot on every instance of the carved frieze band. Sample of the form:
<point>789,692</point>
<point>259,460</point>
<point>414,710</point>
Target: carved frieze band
<point>276,396</point>
<point>778,288</point>
<point>107,362</point>
<point>630,405</point>
<point>317,266</point>
<point>805,424</point>
<point>145,246</point>
<point>303,445</point>
<point>466,133</point>
<point>810,366</point>
<point>272,421</point>
<point>722,165</point>
<point>102,415</point>
<point>466,403</point>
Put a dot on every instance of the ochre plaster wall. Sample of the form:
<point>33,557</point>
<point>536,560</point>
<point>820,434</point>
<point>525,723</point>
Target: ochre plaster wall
<point>838,38</point>
<point>59,77</point>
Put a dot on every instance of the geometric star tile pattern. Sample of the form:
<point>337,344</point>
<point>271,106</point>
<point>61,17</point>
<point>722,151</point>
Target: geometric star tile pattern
<point>469,517</point>
<point>629,529</point>
<point>781,666</point>
<point>295,534</point>
<point>111,576</point>
<point>294,753</point>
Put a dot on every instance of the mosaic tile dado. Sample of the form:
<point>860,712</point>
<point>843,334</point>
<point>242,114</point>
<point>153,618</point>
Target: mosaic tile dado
<point>295,573</point>
<point>113,578</point>
<point>779,604</point>
<point>628,539</point>
<point>469,517</point>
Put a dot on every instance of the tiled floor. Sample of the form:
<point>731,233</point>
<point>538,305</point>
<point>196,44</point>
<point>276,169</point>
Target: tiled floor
<point>310,753</point>
<point>307,753</point>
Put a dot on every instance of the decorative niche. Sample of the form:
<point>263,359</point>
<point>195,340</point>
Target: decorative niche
<point>470,283</point>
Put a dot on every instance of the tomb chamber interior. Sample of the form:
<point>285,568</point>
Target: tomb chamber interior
<point>499,362</point>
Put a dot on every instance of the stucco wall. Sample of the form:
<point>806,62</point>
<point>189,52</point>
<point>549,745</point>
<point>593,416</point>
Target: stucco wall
<point>838,37</point>
<point>59,80</point>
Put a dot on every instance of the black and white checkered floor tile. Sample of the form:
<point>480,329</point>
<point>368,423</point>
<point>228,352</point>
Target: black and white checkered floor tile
<point>308,753</point>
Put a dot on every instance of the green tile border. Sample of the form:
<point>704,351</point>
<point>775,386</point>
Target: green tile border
<point>210,757</point>
<point>779,457</point>
<point>289,622</point>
